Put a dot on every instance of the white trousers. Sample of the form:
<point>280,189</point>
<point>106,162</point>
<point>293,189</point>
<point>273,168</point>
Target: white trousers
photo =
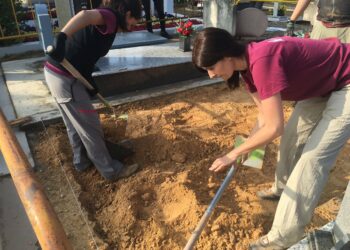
<point>314,135</point>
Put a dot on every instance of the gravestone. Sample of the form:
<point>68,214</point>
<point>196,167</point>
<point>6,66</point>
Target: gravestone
<point>169,6</point>
<point>246,24</point>
<point>43,25</point>
<point>65,11</point>
<point>219,13</point>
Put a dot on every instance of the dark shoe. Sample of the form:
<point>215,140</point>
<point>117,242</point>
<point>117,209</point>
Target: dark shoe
<point>264,244</point>
<point>165,34</point>
<point>83,165</point>
<point>128,171</point>
<point>149,27</point>
<point>268,194</point>
<point>121,171</point>
<point>82,168</point>
<point>169,15</point>
<point>120,151</point>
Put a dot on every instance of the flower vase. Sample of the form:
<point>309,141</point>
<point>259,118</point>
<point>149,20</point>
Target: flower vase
<point>185,43</point>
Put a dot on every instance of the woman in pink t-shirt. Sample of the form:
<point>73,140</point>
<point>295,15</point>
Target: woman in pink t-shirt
<point>316,74</point>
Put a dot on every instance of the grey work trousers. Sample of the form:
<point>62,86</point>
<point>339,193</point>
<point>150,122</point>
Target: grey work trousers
<point>83,126</point>
<point>315,133</point>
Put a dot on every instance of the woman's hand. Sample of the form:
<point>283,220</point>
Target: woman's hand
<point>222,163</point>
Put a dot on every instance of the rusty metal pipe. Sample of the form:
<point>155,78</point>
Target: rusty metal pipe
<point>41,214</point>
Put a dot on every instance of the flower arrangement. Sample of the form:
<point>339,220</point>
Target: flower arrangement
<point>185,28</point>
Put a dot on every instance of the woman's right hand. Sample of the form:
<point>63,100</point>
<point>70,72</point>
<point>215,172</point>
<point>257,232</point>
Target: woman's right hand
<point>59,48</point>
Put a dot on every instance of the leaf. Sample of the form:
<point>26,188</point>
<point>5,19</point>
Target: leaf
<point>123,117</point>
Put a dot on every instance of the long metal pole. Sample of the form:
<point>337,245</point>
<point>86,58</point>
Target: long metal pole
<point>41,214</point>
<point>197,232</point>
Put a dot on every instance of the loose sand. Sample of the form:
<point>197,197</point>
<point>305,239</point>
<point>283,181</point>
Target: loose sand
<point>176,138</point>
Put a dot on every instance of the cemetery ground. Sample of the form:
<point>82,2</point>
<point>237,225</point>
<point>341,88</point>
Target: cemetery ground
<point>176,138</point>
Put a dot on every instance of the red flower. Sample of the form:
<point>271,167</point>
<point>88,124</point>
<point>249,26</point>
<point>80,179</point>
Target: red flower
<point>186,33</point>
<point>188,24</point>
<point>185,28</point>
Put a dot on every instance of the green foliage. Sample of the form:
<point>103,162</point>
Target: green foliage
<point>179,1</point>
<point>282,10</point>
<point>7,19</point>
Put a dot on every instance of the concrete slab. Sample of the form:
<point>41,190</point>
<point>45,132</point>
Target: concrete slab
<point>26,85</point>
<point>5,99</point>
<point>20,48</point>
<point>138,38</point>
<point>121,71</point>
<point>15,230</point>
<point>123,40</point>
<point>6,106</point>
<point>144,57</point>
<point>131,69</point>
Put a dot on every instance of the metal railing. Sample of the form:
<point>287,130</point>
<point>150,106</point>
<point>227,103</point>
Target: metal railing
<point>42,216</point>
<point>17,19</point>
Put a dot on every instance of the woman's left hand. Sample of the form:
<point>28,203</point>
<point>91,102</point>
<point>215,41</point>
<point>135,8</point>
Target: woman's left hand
<point>222,163</point>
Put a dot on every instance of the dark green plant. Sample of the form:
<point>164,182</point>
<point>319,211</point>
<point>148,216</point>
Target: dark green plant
<point>180,1</point>
<point>282,10</point>
<point>7,19</point>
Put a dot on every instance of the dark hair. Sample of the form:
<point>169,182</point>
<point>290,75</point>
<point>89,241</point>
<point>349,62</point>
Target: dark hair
<point>121,7</point>
<point>212,45</point>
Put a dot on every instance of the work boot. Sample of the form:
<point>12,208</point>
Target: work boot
<point>268,194</point>
<point>264,244</point>
<point>128,171</point>
<point>119,171</point>
<point>149,27</point>
<point>83,163</point>
<point>165,34</point>
<point>82,167</point>
<point>120,151</point>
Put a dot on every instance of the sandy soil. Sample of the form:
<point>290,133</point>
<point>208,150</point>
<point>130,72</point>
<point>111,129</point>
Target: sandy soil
<point>176,138</point>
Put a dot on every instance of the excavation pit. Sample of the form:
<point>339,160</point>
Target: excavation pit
<point>176,138</point>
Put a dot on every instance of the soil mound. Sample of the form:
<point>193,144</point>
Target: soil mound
<point>176,138</point>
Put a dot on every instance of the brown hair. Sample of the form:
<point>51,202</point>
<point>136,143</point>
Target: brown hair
<point>121,7</point>
<point>212,45</point>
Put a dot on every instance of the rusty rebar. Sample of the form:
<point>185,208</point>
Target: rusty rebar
<point>41,214</point>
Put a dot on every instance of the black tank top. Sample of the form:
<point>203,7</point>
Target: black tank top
<point>84,48</point>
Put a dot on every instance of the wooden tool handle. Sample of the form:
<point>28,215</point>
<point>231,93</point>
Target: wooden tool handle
<point>74,72</point>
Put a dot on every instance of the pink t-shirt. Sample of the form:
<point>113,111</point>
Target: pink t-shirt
<point>110,19</point>
<point>297,68</point>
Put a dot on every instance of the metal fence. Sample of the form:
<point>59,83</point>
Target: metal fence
<point>17,18</point>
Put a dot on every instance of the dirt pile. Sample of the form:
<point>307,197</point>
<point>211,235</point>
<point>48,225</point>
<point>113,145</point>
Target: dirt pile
<point>176,139</point>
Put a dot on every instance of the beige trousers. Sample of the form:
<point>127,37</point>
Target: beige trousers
<point>319,31</point>
<point>315,133</point>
